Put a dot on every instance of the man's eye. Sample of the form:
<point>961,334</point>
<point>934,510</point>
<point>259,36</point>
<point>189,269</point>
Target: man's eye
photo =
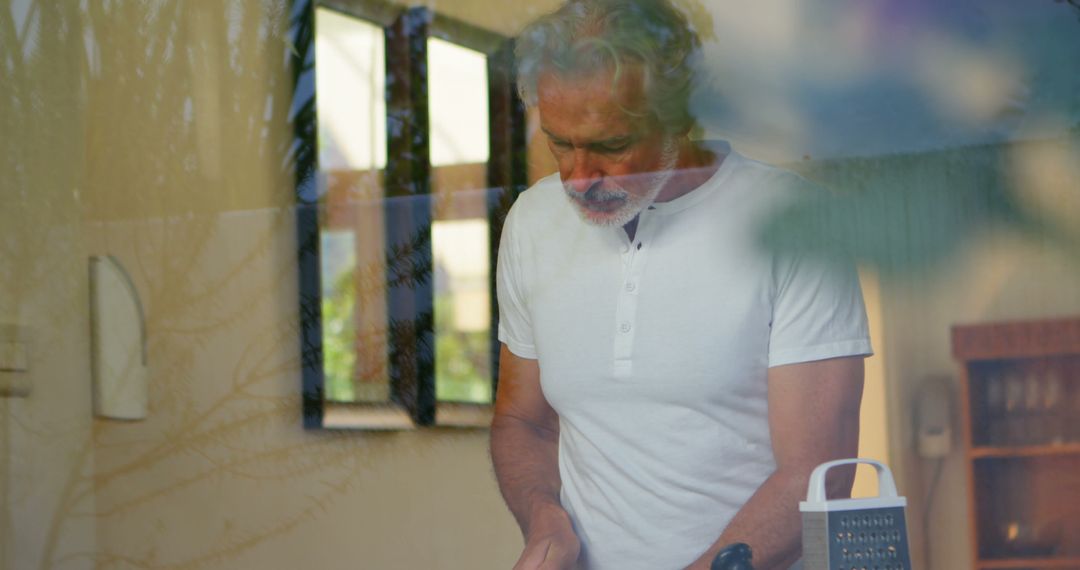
<point>615,146</point>
<point>560,144</point>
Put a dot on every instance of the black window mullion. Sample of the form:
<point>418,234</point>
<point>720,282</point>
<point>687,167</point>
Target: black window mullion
<point>303,159</point>
<point>506,173</point>
<point>408,212</point>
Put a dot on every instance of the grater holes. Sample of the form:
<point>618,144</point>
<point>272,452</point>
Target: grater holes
<point>867,540</point>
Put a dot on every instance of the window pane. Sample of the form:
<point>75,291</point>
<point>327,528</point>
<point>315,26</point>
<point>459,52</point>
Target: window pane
<point>462,311</point>
<point>457,96</point>
<point>458,104</point>
<point>350,82</point>
<point>350,79</point>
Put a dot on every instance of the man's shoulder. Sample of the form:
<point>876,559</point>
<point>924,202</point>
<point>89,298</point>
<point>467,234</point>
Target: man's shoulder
<point>545,190</point>
<point>762,185</point>
<point>540,202</point>
<point>770,178</point>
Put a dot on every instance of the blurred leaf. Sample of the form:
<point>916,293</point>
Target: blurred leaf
<point>905,213</point>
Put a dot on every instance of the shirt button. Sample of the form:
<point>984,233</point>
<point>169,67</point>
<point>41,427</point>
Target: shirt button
<point>625,327</point>
<point>630,287</point>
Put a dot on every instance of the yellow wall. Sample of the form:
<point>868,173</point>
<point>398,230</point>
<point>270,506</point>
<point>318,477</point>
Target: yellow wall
<point>221,475</point>
<point>873,414</point>
<point>46,457</point>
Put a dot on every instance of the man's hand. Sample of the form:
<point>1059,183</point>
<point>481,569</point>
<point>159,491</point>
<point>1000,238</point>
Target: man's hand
<point>550,543</point>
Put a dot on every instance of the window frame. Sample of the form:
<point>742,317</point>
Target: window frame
<point>411,368</point>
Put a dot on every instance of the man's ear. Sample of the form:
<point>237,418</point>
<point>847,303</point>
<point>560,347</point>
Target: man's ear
<point>695,132</point>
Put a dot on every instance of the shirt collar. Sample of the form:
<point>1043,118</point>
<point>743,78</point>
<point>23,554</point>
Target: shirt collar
<point>720,148</point>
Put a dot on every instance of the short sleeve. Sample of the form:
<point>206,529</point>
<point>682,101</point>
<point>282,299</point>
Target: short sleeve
<point>515,324</point>
<point>818,310</point>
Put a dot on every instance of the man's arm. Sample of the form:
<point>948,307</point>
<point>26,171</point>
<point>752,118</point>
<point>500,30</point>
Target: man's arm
<point>525,453</point>
<point>813,418</point>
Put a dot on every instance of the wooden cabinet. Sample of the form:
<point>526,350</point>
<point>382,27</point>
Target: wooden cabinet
<point>1020,405</point>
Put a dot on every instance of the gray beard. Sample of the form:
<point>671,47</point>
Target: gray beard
<point>634,205</point>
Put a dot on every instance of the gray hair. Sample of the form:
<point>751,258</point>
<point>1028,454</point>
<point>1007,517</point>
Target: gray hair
<point>584,35</point>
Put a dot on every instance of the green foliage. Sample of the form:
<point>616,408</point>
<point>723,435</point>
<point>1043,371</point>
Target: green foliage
<point>339,339</point>
<point>906,215</point>
<point>462,359</point>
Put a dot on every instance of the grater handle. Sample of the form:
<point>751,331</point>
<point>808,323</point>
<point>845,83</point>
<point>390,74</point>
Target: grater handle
<point>815,492</point>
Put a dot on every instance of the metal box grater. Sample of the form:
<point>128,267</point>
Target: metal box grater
<point>854,534</point>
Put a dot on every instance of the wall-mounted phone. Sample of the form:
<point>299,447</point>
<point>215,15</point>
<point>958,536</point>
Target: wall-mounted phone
<point>933,418</point>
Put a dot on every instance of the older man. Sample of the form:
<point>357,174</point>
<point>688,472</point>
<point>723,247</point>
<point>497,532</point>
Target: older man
<point>666,386</point>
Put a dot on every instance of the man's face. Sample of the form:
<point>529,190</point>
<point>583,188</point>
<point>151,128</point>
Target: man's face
<point>613,156</point>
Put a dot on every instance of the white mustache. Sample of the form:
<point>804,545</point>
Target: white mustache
<point>597,194</point>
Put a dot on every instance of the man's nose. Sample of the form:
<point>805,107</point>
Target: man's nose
<point>584,171</point>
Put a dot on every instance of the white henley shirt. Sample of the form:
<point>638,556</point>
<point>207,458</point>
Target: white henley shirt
<point>654,353</point>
